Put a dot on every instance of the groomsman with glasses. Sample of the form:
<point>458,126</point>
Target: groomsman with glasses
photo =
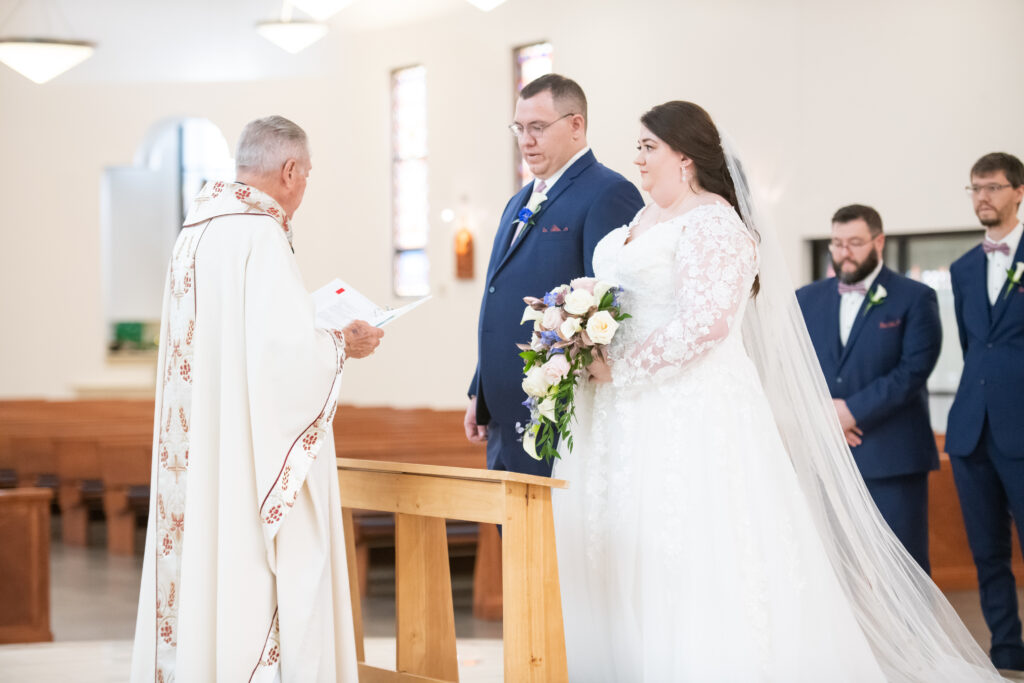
<point>877,335</point>
<point>985,434</point>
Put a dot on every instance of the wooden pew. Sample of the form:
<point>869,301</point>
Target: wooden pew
<point>25,565</point>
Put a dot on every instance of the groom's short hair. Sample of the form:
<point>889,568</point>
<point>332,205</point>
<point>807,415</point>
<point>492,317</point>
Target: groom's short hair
<point>864,213</point>
<point>564,91</point>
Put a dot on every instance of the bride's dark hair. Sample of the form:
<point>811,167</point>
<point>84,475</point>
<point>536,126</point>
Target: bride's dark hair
<point>689,130</point>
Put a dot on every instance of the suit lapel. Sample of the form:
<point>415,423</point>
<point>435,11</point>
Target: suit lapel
<point>501,248</point>
<point>835,345</point>
<point>977,311</point>
<point>1003,302</point>
<point>563,184</point>
<point>864,313</point>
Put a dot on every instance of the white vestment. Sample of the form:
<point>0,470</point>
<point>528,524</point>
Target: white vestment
<point>244,577</point>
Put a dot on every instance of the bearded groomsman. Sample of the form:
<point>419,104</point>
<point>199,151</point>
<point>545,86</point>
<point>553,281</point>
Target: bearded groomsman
<point>985,438</point>
<point>877,335</point>
<point>546,237</point>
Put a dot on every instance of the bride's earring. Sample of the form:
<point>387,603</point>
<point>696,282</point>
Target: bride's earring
<point>682,167</point>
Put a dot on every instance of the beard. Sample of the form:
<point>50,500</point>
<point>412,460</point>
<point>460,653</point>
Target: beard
<point>989,222</point>
<point>862,270</point>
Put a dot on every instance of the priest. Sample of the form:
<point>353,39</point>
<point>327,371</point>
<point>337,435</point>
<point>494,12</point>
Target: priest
<point>244,576</point>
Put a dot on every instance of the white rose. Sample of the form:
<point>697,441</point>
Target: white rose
<point>535,342</point>
<point>601,327</point>
<point>536,383</point>
<point>569,328</point>
<point>531,314</point>
<point>556,369</point>
<point>1017,273</point>
<point>578,301</point>
<point>547,408</point>
<point>551,318</point>
<point>600,289</point>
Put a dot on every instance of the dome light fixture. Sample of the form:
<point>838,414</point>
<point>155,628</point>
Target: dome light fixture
<point>290,35</point>
<point>42,59</point>
<point>485,5</point>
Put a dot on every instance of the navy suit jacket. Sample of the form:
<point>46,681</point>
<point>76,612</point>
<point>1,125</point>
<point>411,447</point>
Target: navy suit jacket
<point>992,338</point>
<point>588,201</point>
<point>882,370</point>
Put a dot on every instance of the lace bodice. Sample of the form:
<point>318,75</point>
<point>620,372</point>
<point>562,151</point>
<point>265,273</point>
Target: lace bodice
<point>685,282</point>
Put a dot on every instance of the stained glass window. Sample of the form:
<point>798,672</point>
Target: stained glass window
<point>409,181</point>
<point>531,62</point>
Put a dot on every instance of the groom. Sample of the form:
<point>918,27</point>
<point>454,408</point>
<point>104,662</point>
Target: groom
<point>877,335</point>
<point>546,237</point>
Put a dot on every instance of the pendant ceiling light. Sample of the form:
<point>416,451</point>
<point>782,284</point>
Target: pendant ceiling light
<point>41,59</point>
<point>321,9</point>
<point>485,5</point>
<point>290,35</point>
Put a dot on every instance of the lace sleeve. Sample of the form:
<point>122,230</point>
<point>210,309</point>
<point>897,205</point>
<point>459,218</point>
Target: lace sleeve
<point>715,264</point>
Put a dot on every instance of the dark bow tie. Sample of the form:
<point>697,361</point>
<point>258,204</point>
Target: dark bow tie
<point>990,246</point>
<point>857,288</point>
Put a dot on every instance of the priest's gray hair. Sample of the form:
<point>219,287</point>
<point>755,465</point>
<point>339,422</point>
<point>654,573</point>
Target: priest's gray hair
<point>266,144</point>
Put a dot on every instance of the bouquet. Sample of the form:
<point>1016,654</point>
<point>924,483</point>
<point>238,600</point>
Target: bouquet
<point>572,325</point>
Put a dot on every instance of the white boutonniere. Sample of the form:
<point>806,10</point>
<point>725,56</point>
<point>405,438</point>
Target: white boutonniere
<point>1013,276</point>
<point>876,298</point>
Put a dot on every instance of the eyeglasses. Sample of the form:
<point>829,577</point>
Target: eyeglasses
<point>975,190</point>
<point>536,130</point>
<point>852,245</point>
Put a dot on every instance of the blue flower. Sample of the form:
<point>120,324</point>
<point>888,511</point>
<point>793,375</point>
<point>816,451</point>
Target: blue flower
<point>530,403</point>
<point>525,214</point>
<point>549,337</point>
<point>556,351</point>
<point>550,299</point>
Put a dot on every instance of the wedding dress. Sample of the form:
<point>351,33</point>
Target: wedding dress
<point>688,549</point>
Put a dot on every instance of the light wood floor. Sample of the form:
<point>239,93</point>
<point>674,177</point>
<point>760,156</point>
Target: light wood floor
<point>94,596</point>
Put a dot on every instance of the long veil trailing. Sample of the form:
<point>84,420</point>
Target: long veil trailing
<point>914,632</point>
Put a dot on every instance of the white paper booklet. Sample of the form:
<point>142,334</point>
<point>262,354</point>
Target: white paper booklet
<point>337,304</point>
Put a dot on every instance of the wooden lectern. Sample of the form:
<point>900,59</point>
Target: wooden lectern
<point>422,497</point>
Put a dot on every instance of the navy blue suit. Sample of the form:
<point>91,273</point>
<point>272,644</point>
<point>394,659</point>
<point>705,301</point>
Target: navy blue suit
<point>881,374</point>
<point>985,439</point>
<point>586,203</point>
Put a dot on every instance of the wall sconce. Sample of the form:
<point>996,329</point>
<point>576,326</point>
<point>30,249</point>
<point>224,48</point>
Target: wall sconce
<point>464,253</point>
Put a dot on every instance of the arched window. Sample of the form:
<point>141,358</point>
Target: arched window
<point>142,209</point>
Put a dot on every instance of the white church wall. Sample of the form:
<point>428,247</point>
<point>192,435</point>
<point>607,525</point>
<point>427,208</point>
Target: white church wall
<point>886,103</point>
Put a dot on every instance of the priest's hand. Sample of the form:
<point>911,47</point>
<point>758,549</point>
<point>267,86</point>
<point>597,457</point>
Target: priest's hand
<point>361,339</point>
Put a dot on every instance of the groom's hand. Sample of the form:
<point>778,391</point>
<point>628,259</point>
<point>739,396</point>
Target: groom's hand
<point>474,432</point>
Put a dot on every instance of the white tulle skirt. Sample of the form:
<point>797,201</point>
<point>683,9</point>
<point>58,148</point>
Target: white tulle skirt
<point>686,550</point>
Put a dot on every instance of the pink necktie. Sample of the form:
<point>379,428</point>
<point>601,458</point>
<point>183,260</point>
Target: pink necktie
<point>857,288</point>
<point>989,246</point>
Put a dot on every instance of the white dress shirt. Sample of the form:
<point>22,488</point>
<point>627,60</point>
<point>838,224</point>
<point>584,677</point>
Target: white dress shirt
<point>849,304</point>
<point>999,263</point>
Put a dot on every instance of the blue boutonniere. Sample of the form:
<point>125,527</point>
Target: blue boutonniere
<point>528,214</point>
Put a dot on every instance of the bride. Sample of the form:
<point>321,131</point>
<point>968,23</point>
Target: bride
<point>716,528</point>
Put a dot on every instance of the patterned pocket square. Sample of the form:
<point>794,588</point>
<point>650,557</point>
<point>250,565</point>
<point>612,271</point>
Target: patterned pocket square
<point>887,324</point>
<point>554,228</point>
